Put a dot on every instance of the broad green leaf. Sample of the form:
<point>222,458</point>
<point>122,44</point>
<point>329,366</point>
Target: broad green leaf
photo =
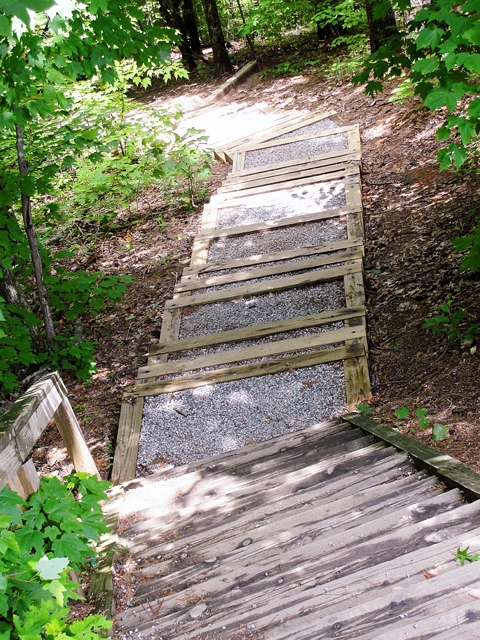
<point>51,568</point>
<point>473,35</point>
<point>57,589</point>
<point>439,432</point>
<point>98,5</point>
<point>472,62</point>
<point>5,26</point>
<point>402,413</point>
<point>429,37</point>
<point>9,501</point>
<point>439,98</point>
<point>426,65</point>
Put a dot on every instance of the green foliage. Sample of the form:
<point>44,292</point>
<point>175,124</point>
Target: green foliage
<point>449,322</point>
<point>439,49</point>
<point>472,243</point>
<point>439,432</point>
<point>423,421</point>
<point>41,539</point>
<point>464,556</point>
<point>365,409</point>
<point>402,413</point>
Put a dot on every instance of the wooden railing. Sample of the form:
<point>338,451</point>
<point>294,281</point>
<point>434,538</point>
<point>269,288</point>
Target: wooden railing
<point>23,424</point>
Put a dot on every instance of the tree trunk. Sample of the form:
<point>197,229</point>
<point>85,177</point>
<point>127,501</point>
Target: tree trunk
<point>10,290</point>
<point>32,241</point>
<point>379,29</point>
<point>191,26</point>
<point>220,53</point>
<point>172,14</point>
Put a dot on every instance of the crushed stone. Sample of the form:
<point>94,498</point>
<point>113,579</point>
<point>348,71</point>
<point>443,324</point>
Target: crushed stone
<point>299,150</point>
<point>189,425</point>
<point>284,204</point>
<point>310,234</point>
<point>314,127</point>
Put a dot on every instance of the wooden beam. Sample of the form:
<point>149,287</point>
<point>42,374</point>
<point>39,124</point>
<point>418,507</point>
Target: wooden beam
<point>275,224</point>
<point>277,284</point>
<point>194,284</point>
<point>275,143</point>
<point>275,348</point>
<point>212,267</point>
<point>126,452</point>
<point>72,436</point>
<point>205,378</point>
<point>26,481</point>
<point>257,331</point>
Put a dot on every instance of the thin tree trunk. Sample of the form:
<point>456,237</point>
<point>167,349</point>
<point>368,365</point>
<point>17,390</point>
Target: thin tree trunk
<point>247,37</point>
<point>220,53</point>
<point>32,241</point>
<point>10,290</point>
<point>379,29</point>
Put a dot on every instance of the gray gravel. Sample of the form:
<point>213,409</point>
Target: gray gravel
<point>226,416</point>
<point>300,150</point>
<point>283,239</point>
<point>286,335</point>
<point>283,204</point>
<point>268,307</point>
<point>315,127</point>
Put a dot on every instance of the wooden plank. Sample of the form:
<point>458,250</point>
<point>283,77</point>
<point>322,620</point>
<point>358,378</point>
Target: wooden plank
<point>357,378</point>
<point>289,126</point>
<point>277,284</point>
<point>351,174</point>
<point>453,472</point>
<point>232,82</point>
<point>278,347</point>
<point>126,452</point>
<point>209,218</point>
<point>276,224</point>
<point>323,160</point>
<point>23,424</point>
<point>203,379</point>
<point>300,175</point>
<point>194,284</point>
<point>212,267</point>
<point>72,437</point>
<point>275,143</point>
<point>26,481</point>
<point>257,331</point>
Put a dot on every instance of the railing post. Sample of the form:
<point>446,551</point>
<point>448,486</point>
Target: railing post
<point>72,437</point>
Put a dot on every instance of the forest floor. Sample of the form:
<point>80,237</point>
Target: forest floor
<point>412,213</point>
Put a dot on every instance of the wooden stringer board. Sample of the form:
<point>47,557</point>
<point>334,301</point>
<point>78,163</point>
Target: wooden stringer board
<point>177,364</point>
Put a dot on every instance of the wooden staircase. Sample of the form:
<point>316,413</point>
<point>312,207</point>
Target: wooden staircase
<point>324,533</point>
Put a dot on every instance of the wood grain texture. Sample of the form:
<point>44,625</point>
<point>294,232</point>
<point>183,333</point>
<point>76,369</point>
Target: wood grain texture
<point>126,451</point>
<point>276,284</point>
<point>275,348</point>
<point>256,331</point>
<point>195,381</point>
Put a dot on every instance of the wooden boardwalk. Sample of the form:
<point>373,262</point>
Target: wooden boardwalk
<point>324,533</point>
<point>304,168</point>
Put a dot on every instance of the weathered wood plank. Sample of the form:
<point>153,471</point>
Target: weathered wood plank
<point>286,168</point>
<point>349,174</point>
<point>256,331</point>
<point>192,272</point>
<point>26,481</point>
<point>255,146</point>
<point>321,174</point>
<point>453,472</point>
<point>126,451</point>
<point>275,348</point>
<point>194,284</point>
<point>321,214</point>
<point>203,379</point>
<point>277,284</point>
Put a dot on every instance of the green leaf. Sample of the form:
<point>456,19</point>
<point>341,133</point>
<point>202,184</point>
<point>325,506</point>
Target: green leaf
<point>464,556</point>
<point>57,589</point>
<point>439,432</point>
<point>402,413</point>
<point>426,65</point>
<point>429,37</point>
<point>51,568</point>
<point>421,413</point>
<point>5,26</point>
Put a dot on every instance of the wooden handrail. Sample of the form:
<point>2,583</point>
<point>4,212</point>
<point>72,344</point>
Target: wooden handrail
<point>23,424</point>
